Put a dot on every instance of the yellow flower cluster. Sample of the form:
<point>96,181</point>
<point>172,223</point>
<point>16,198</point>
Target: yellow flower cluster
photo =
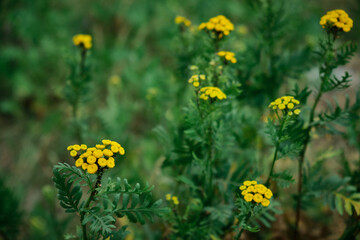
<point>337,18</point>
<point>83,40</point>
<point>195,79</point>
<point>228,56</point>
<point>220,25</point>
<point>212,92</point>
<point>287,104</point>
<point>92,159</point>
<point>257,193</point>
<point>184,20</point>
<point>174,199</point>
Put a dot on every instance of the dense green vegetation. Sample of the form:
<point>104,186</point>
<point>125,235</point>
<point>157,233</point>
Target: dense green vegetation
<point>132,86</point>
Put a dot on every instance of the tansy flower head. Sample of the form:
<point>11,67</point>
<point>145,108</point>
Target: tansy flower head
<point>96,158</point>
<point>174,199</point>
<point>256,193</point>
<point>287,105</point>
<point>336,20</point>
<point>182,20</point>
<point>219,25</point>
<point>168,197</point>
<point>212,92</point>
<point>195,79</point>
<point>83,40</point>
<point>227,56</point>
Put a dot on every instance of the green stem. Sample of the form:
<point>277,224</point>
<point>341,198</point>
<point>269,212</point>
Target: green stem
<point>276,148</point>
<point>210,162</point>
<point>272,165</point>
<point>78,86</point>
<point>324,78</point>
<point>242,229</point>
<point>87,204</point>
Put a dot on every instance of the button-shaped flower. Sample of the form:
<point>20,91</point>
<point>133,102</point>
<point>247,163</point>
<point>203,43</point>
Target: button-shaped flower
<point>227,56</point>
<point>212,92</point>
<point>287,105</point>
<point>256,193</point>
<point>83,40</point>
<point>219,25</point>
<point>337,20</point>
<point>182,20</point>
<point>102,156</point>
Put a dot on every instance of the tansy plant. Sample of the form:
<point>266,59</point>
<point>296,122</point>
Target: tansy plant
<point>180,20</point>
<point>285,110</point>
<point>205,208</point>
<point>202,149</point>
<point>330,57</point>
<point>106,200</point>
<point>252,203</point>
<point>76,87</point>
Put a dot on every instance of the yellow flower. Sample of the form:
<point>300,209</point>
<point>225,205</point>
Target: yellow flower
<point>92,168</point>
<point>102,162</point>
<point>242,187</point>
<point>76,147</point>
<point>268,194</point>
<point>220,26</point>
<point>227,56</point>
<point>114,149</point>
<point>83,40</point>
<point>168,196</point>
<point>194,79</point>
<point>286,104</point>
<point>106,142</point>
<point>108,153</point>
<point>100,146</point>
<point>258,197</point>
<point>87,154</point>
<point>336,20</point>
<point>110,162</point>
<point>260,188</point>
<point>247,183</point>
<point>84,166</point>
<point>79,162</point>
<point>265,202</point>
<point>175,200</point>
<point>69,148</point>
<point>98,153</point>
<point>248,197</point>
<point>91,159</point>
<point>73,153</point>
<point>212,92</point>
<point>251,189</point>
<point>182,20</point>
<point>297,111</point>
<point>257,193</point>
<point>113,143</point>
<point>122,151</point>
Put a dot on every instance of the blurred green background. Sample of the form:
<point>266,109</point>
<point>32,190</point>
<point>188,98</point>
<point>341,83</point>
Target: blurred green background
<point>139,68</point>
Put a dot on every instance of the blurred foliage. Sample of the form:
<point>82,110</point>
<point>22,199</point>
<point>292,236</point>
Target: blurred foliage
<point>138,94</point>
